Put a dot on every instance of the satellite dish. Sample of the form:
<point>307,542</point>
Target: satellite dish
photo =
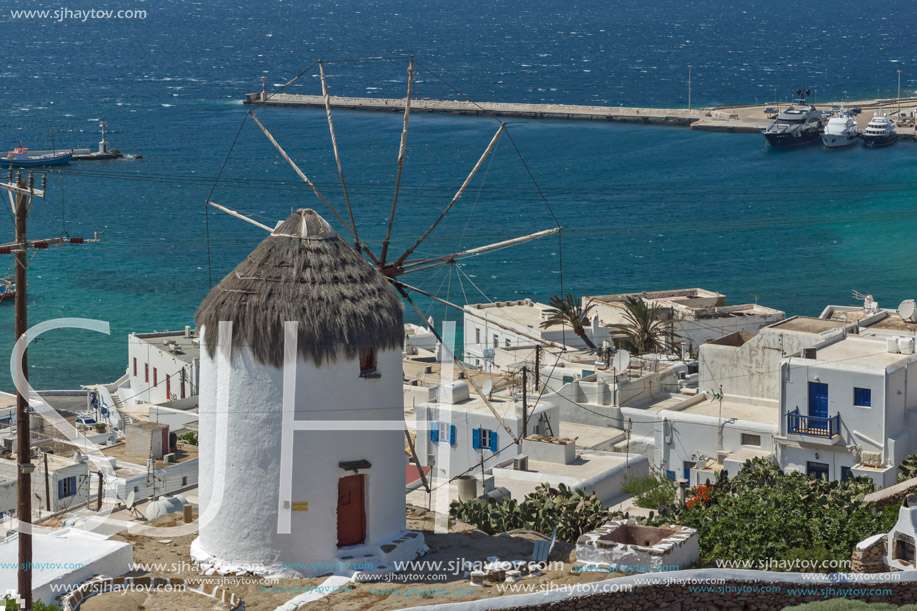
<point>621,360</point>
<point>488,387</point>
<point>130,500</point>
<point>907,310</point>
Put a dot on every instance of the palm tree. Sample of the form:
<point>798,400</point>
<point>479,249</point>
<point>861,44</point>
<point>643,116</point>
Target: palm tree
<point>568,311</point>
<point>643,330</point>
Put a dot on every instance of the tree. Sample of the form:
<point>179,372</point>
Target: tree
<point>568,311</point>
<point>643,330</point>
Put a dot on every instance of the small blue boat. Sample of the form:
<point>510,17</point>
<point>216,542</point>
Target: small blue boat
<point>19,157</point>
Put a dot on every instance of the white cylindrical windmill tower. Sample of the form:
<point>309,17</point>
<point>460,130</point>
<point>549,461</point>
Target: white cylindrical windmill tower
<point>302,460</point>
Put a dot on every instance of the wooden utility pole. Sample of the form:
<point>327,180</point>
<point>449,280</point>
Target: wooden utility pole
<point>99,493</point>
<point>47,486</point>
<point>525,406</point>
<point>23,435</point>
<point>24,192</point>
<point>537,367</point>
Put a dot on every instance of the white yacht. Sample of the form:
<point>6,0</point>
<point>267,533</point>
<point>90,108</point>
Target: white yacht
<point>880,131</point>
<point>842,130</point>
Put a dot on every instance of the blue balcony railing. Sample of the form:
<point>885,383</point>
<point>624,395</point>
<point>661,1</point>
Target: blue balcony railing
<point>814,426</point>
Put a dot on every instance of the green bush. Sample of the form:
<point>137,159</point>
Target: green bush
<point>652,491</point>
<point>763,514</point>
<point>37,605</point>
<point>571,511</point>
<point>190,438</point>
<point>908,467</point>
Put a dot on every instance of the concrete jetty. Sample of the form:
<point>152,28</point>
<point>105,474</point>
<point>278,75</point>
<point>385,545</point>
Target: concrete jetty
<point>666,116</point>
<point>730,119</point>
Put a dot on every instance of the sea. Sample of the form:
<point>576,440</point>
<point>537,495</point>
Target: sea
<point>642,207</point>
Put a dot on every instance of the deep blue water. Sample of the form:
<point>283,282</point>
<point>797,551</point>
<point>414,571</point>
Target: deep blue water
<point>643,207</point>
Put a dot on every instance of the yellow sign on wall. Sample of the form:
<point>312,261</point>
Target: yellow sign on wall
<point>300,506</point>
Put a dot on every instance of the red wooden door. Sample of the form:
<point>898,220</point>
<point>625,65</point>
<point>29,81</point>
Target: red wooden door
<point>351,511</point>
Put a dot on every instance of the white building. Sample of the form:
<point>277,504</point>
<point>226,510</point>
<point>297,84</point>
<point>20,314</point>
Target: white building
<point>556,461</point>
<point>69,481</point>
<point>847,408</point>
<point>697,315</point>
<point>507,324</point>
<point>163,366</point>
<point>746,364</point>
<point>682,434</point>
<point>463,431</point>
<point>302,433</point>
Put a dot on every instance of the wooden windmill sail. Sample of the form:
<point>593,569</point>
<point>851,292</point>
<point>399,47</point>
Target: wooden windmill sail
<point>391,266</point>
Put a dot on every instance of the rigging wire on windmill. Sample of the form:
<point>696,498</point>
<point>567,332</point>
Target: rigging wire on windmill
<point>393,268</point>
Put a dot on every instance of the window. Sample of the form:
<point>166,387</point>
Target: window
<point>496,341</point>
<point>66,487</point>
<point>146,373</point>
<point>135,366</point>
<point>484,439</point>
<point>670,475</point>
<point>184,481</point>
<point>751,440</point>
<point>477,336</point>
<point>155,378</point>
<point>507,343</point>
<point>368,363</point>
<point>442,431</point>
<point>846,474</point>
<point>862,397</point>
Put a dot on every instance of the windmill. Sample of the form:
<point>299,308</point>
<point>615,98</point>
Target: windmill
<point>394,266</point>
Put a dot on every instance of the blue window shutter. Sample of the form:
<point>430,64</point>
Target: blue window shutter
<point>72,485</point>
<point>493,441</point>
<point>476,439</point>
<point>434,432</point>
<point>451,434</point>
<point>60,488</point>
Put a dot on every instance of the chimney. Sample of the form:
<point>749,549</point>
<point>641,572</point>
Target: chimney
<point>188,331</point>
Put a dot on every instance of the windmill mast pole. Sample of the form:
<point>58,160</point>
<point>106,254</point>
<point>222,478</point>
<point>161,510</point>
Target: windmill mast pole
<point>23,436</point>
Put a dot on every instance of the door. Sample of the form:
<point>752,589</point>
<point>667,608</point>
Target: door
<point>818,470</point>
<point>687,466</point>
<point>351,511</point>
<point>818,405</point>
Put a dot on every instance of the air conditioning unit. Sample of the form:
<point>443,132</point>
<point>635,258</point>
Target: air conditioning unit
<point>169,457</point>
<point>871,459</point>
<point>809,353</point>
<point>521,463</point>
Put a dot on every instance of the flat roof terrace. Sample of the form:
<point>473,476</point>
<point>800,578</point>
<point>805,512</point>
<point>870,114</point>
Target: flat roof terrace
<point>862,351</point>
<point>187,348</point>
<point>731,408</point>
<point>808,324</point>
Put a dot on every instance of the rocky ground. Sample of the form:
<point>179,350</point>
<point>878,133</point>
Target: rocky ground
<point>463,542</point>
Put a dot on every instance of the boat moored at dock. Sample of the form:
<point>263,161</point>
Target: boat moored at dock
<point>841,130</point>
<point>880,131</point>
<point>797,125</point>
<point>20,157</point>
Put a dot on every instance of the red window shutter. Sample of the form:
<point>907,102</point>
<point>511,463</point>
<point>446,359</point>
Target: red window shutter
<point>135,366</point>
<point>168,388</point>
<point>146,373</point>
<point>155,378</point>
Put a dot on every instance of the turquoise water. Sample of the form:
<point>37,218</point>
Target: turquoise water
<point>643,207</point>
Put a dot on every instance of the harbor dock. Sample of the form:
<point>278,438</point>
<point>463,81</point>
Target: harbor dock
<point>729,119</point>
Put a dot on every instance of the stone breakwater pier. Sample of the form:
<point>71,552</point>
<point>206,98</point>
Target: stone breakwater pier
<point>735,119</point>
<point>660,116</point>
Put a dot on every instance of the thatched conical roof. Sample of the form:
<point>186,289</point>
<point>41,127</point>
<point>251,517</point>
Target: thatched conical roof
<point>304,272</point>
